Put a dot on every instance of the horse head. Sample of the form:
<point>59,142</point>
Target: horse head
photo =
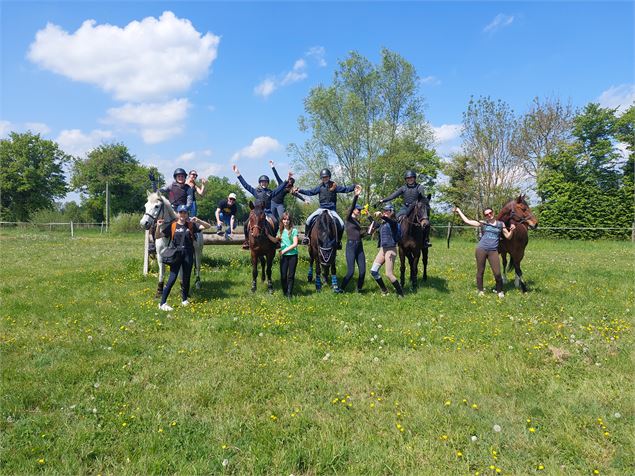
<point>518,212</point>
<point>256,221</point>
<point>157,207</point>
<point>326,232</point>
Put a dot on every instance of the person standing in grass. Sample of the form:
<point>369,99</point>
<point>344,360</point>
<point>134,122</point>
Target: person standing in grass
<point>288,237</point>
<point>387,244</point>
<point>487,248</point>
<point>354,246</point>
<point>181,233</point>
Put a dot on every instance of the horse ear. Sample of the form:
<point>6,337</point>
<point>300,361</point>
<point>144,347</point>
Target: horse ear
<point>147,193</point>
<point>519,199</point>
<point>251,205</point>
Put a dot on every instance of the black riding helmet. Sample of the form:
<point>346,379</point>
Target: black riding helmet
<point>409,174</point>
<point>263,178</point>
<point>179,171</point>
<point>325,173</point>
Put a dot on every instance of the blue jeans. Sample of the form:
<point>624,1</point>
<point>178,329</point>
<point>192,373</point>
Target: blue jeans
<point>226,219</point>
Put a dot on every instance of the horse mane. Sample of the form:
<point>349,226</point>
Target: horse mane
<point>156,197</point>
<point>326,227</point>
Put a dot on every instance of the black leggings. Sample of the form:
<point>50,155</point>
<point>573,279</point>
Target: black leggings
<point>355,252</point>
<point>288,263</point>
<point>187,261</point>
<point>494,262</point>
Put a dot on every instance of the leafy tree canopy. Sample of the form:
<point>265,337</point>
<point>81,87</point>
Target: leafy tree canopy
<point>31,175</point>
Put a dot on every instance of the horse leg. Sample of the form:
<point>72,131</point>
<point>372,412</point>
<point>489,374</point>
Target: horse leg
<point>424,261</point>
<point>402,267</point>
<point>334,284</point>
<point>504,267</point>
<point>254,271</point>
<point>318,279</point>
<point>269,265</point>
<point>310,275</point>
<point>414,269</point>
<point>518,280</point>
<point>262,268</point>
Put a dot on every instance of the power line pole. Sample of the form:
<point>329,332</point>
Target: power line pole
<point>107,208</point>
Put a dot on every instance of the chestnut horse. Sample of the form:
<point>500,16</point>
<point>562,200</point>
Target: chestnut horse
<point>323,250</point>
<point>517,212</point>
<point>262,245</point>
<point>415,230</point>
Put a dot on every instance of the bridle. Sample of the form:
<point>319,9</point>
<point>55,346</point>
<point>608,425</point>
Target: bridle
<point>513,216</point>
<point>327,253</point>
<point>256,226</point>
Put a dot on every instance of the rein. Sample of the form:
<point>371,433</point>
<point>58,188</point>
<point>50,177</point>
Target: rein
<point>262,228</point>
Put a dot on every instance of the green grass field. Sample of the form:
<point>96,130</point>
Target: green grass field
<point>96,380</point>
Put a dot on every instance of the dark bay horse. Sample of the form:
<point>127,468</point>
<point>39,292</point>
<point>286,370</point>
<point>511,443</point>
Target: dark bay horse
<point>323,250</point>
<point>262,245</point>
<point>517,212</point>
<point>415,230</point>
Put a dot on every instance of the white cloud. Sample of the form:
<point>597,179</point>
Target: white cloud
<point>430,81</point>
<point>621,97</point>
<point>317,53</point>
<point>211,169</point>
<point>259,147</point>
<point>5,128</point>
<point>186,157</point>
<point>75,142</point>
<point>500,21</point>
<point>447,139</point>
<point>297,73</point>
<point>265,88</point>
<point>150,59</point>
<point>38,127</point>
<point>156,122</point>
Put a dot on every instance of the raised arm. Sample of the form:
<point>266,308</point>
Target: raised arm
<point>358,190</point>
<point>309,191</point>
<point>201,224</point>
<point>465,219</point>
<point>344,188</point>
<point>242,181</point>
<point>275,172</point>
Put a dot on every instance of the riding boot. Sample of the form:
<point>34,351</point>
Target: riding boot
<point>398,288</point>
<point>382,286</point>
<point>246,242</point>
<point>290,287</point>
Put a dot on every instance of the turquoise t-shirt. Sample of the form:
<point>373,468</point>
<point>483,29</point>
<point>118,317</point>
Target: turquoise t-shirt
<point>287,240</point>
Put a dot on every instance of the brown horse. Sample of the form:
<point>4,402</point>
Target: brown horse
<point>415,230</point>
<point>323,250</point>
<point>517,212</point>
<point>262,245</point>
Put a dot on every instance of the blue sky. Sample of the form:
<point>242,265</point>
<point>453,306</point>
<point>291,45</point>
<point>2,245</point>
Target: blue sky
<point>205,84</point>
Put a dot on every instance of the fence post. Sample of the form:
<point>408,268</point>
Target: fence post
<point>101,228</point>
<point>146,252</point>
<point>72,231</point>
<point>633,232</point>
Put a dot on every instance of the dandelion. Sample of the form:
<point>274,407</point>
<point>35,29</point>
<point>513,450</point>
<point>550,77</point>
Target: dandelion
<point>443,437</point>
<point>617,415</point>
<point>459,454</point>
<point>475,406</point>
<point>273,417</point>
<point>224,446</point>
<point>474,438</point>
<point>41,461</point>
<point>447,403</point>
<point>173,423</point>
<point>532,430</point>
<point>540,467</point>
<point>497,428</point>
<point>225,463</point>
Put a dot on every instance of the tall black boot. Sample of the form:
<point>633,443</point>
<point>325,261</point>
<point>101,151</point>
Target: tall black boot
<point>382,286</point>
<point>290,287</point>
<point>398,288</point>
<point>246,242</point>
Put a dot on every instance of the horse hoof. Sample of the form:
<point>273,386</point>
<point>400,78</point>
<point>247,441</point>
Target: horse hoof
<point>197,285</point>
<point>309,278</point>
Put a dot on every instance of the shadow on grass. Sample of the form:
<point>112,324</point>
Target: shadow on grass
<point>433,282</point>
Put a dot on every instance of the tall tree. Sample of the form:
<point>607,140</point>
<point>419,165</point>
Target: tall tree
<point>459,190</point>
<point>488,130</point>
<point>31,175</point>
<point>540,131</point>
<point>584,184</point>
<point>113,164</point>
<point>359,117</point>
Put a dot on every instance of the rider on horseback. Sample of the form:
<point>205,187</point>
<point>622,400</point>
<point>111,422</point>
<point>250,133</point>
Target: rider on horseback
<point>327,191</point>
<point>412,192</point>
<point>263,195</point>
<point>179,192</point>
